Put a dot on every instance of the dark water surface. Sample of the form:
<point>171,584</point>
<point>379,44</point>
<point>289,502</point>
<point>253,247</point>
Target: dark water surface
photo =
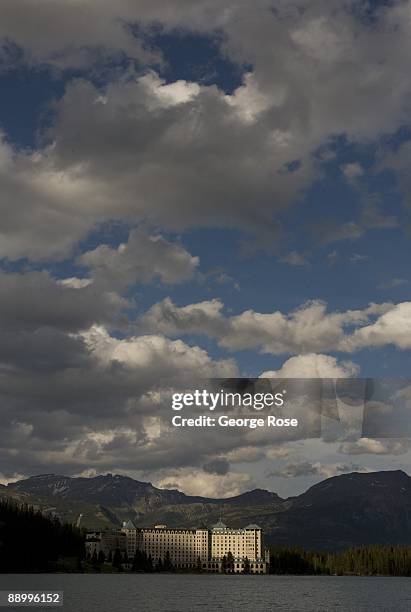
<point>181,593</point>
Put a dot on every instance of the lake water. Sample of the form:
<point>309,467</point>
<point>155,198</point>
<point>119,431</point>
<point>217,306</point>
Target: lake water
<point>181,593</point>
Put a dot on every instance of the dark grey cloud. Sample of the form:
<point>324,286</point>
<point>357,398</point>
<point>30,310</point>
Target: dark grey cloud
<point>33,300</point>
<point>43,349</point>
<point>306,468</point>
<point>217,466</point>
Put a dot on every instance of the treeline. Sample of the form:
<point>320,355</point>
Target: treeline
<point>141,562</point>
<point>144,563</point>
<point>32,542</point>
<point>362,561</point>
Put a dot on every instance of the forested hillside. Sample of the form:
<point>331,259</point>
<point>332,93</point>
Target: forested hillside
<point>32,542</point>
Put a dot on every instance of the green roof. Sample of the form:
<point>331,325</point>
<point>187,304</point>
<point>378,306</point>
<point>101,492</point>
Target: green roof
<point>128,525</point>
<point>220,525</point>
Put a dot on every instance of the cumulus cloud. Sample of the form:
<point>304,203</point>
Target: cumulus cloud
<point>146,140</point>
<point>5,480</point>
<point>206,484</point>
<point>33,300</point>
<point>305,55</point>
<point>204,317</point>
<point>96,403</point>
<point>217,466</point>
<point>155,352</point>
<point>142,258</point>
<point>309,328</point>
<point>246,454</point>
<point>141,151</point>
<point>371,446</point>
<point>180,154</point>
<point>313,366</point>
<point>392,327</point>
<point>306,468</point>
<point>47,218</point>
<point>71,35</point>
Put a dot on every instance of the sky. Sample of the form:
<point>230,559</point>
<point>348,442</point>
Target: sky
<point>208,189</point>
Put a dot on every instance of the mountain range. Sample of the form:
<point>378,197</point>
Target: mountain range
<point>342,511</point>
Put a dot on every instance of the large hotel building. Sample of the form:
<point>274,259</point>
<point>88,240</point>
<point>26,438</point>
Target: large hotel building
<point>213,550</point>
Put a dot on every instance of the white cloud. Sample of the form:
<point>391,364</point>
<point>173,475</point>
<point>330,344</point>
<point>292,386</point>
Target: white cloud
<point>373,446</point>
<point>155,355</point>
<point>352,171</point>
<point>170,94</point>
<point>142,258</point>
<point>5,480</point>
<point>129,154</point>
<point>308,329</point>
<point>313,366</point>
<point>200,318</point>
<point>197,482</point>
<point>392,327</point>
<point>74,282</point>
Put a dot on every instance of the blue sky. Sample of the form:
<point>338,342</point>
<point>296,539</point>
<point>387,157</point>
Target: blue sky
<point>346,273</point>
<point>207,177</point>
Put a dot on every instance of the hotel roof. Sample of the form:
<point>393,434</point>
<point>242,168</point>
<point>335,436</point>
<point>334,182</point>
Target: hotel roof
<point>128,525</point>
<point>220,525</point>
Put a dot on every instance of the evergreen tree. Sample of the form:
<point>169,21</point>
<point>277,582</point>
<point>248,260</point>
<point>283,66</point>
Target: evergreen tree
<point>230,562</point>
<point>149,564</point>
<point>117,559</point>
<point>23,528</point>
<point>101,557</point>
<point>167,566</point>
<point>138,564</point>
<point>363,560</point>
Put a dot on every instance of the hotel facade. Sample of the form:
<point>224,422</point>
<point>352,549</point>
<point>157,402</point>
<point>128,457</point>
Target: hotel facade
<point>218,550</point>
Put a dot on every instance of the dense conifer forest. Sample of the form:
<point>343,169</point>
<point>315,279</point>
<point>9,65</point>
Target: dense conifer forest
<point>362,561</point>
<point>32,542</point>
